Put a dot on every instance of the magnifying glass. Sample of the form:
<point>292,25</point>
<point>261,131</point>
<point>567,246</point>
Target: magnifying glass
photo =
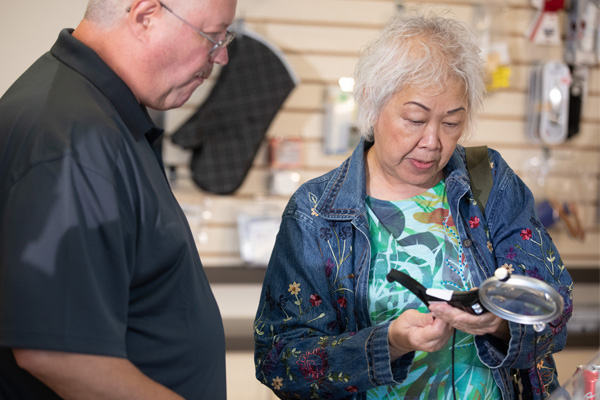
<point>521,299</point>
<point>516,298</point>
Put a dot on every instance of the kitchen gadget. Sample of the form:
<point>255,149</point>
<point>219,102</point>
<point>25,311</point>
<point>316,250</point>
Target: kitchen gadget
<point>548,107</point>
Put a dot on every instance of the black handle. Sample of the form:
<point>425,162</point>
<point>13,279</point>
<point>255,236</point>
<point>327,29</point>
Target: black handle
<point>466,301</point>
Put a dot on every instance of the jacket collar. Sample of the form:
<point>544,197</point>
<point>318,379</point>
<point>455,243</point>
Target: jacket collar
<point>345,194</point>
<point>456,168</point>
<point>346,191</point>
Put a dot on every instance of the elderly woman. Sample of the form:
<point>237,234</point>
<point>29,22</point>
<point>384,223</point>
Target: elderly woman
<point>329,324</point>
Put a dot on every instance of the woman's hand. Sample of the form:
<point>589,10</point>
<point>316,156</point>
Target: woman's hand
<point>414,330</point>
<point>469,323</point>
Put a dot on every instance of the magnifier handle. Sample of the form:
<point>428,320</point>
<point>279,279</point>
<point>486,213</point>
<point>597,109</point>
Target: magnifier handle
<point>466,301</point>
<point>409,283</point>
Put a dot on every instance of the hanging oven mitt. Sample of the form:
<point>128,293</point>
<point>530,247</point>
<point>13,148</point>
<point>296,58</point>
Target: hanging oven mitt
<point>226,131</point>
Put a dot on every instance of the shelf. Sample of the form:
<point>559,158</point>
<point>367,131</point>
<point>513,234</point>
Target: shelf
<point>242,274</point>
<point>235,275</point>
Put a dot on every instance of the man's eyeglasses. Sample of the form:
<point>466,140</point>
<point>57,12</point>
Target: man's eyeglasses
<point>229,36</point>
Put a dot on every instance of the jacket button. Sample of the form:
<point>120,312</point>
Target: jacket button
<point>467,243</point>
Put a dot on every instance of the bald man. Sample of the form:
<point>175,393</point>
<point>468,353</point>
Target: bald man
<point>102,292</point>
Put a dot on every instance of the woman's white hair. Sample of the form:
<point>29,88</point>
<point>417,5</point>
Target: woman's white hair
<point>417,49</point>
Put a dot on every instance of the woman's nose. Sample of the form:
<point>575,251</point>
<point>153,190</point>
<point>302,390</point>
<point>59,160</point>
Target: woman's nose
<point>431,137</point>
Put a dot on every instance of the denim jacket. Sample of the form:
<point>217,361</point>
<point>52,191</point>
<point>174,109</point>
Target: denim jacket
<point>313,336</point>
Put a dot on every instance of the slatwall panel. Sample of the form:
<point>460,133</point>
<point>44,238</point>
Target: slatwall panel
<point>322,39</point>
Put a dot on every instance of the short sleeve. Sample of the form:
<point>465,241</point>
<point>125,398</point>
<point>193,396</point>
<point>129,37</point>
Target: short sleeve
<point>63,261</point>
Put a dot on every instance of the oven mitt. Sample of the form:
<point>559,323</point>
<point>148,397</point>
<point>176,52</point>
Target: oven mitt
<point>226,131</point>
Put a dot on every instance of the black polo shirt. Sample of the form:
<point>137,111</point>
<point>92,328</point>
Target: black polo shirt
<point>96,255</point>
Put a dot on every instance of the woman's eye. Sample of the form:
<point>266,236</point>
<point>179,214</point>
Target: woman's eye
<point>415,122</point>
<point>451,124</point>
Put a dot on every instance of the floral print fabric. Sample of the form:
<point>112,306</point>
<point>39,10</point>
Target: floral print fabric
<point>417,236</point>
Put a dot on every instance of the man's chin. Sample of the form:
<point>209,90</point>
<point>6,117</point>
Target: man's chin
<point>179,100</point>
<point>178,96</point>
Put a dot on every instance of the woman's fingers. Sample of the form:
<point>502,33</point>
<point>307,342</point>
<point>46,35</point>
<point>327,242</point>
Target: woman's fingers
<point>413,330</point>
<point>468,323</point>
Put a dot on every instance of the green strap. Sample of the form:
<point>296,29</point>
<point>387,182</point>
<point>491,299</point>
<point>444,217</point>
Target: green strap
<point>480,173</point>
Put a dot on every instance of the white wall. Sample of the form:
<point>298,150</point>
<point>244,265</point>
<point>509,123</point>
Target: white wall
<point>322,38</point>
<point>28,29</point>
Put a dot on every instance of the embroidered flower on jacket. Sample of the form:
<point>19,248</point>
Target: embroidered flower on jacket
<point>326,234</point>
<point>509,268</point>
<point>272,357</point>
<point>558,324</point>
<point>315,300</point>
<point>526,234</point>
<point>535,223</point>
<point>474,222</point>
<point>490,246</point>
<point>342,302</point>
<point>351,389</point>
<point>269,299</point>
<point>511,253</point>
<point>282,301</point>
<point>346,232</point>
<point>534,273</point>
<point>313,364</point>
<point>277,383</point>
<point>329,267</point>
<point>294,288</point>
<point>332,326</point>
<point>313,199</point>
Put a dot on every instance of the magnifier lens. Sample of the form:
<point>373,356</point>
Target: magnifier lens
<point>521,299</point>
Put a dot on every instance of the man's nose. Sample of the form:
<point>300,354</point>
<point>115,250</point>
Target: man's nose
<point>220,57</point>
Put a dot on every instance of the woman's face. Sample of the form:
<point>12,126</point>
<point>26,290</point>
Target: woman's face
<point>415,135</point>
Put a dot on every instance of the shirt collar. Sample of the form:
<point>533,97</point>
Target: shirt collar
<point>84,60</point>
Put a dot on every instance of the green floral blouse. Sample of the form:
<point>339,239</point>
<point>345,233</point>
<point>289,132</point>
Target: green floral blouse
<point>417,236</point>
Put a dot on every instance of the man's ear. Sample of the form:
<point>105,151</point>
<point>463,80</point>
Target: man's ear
<point>141,15</point>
